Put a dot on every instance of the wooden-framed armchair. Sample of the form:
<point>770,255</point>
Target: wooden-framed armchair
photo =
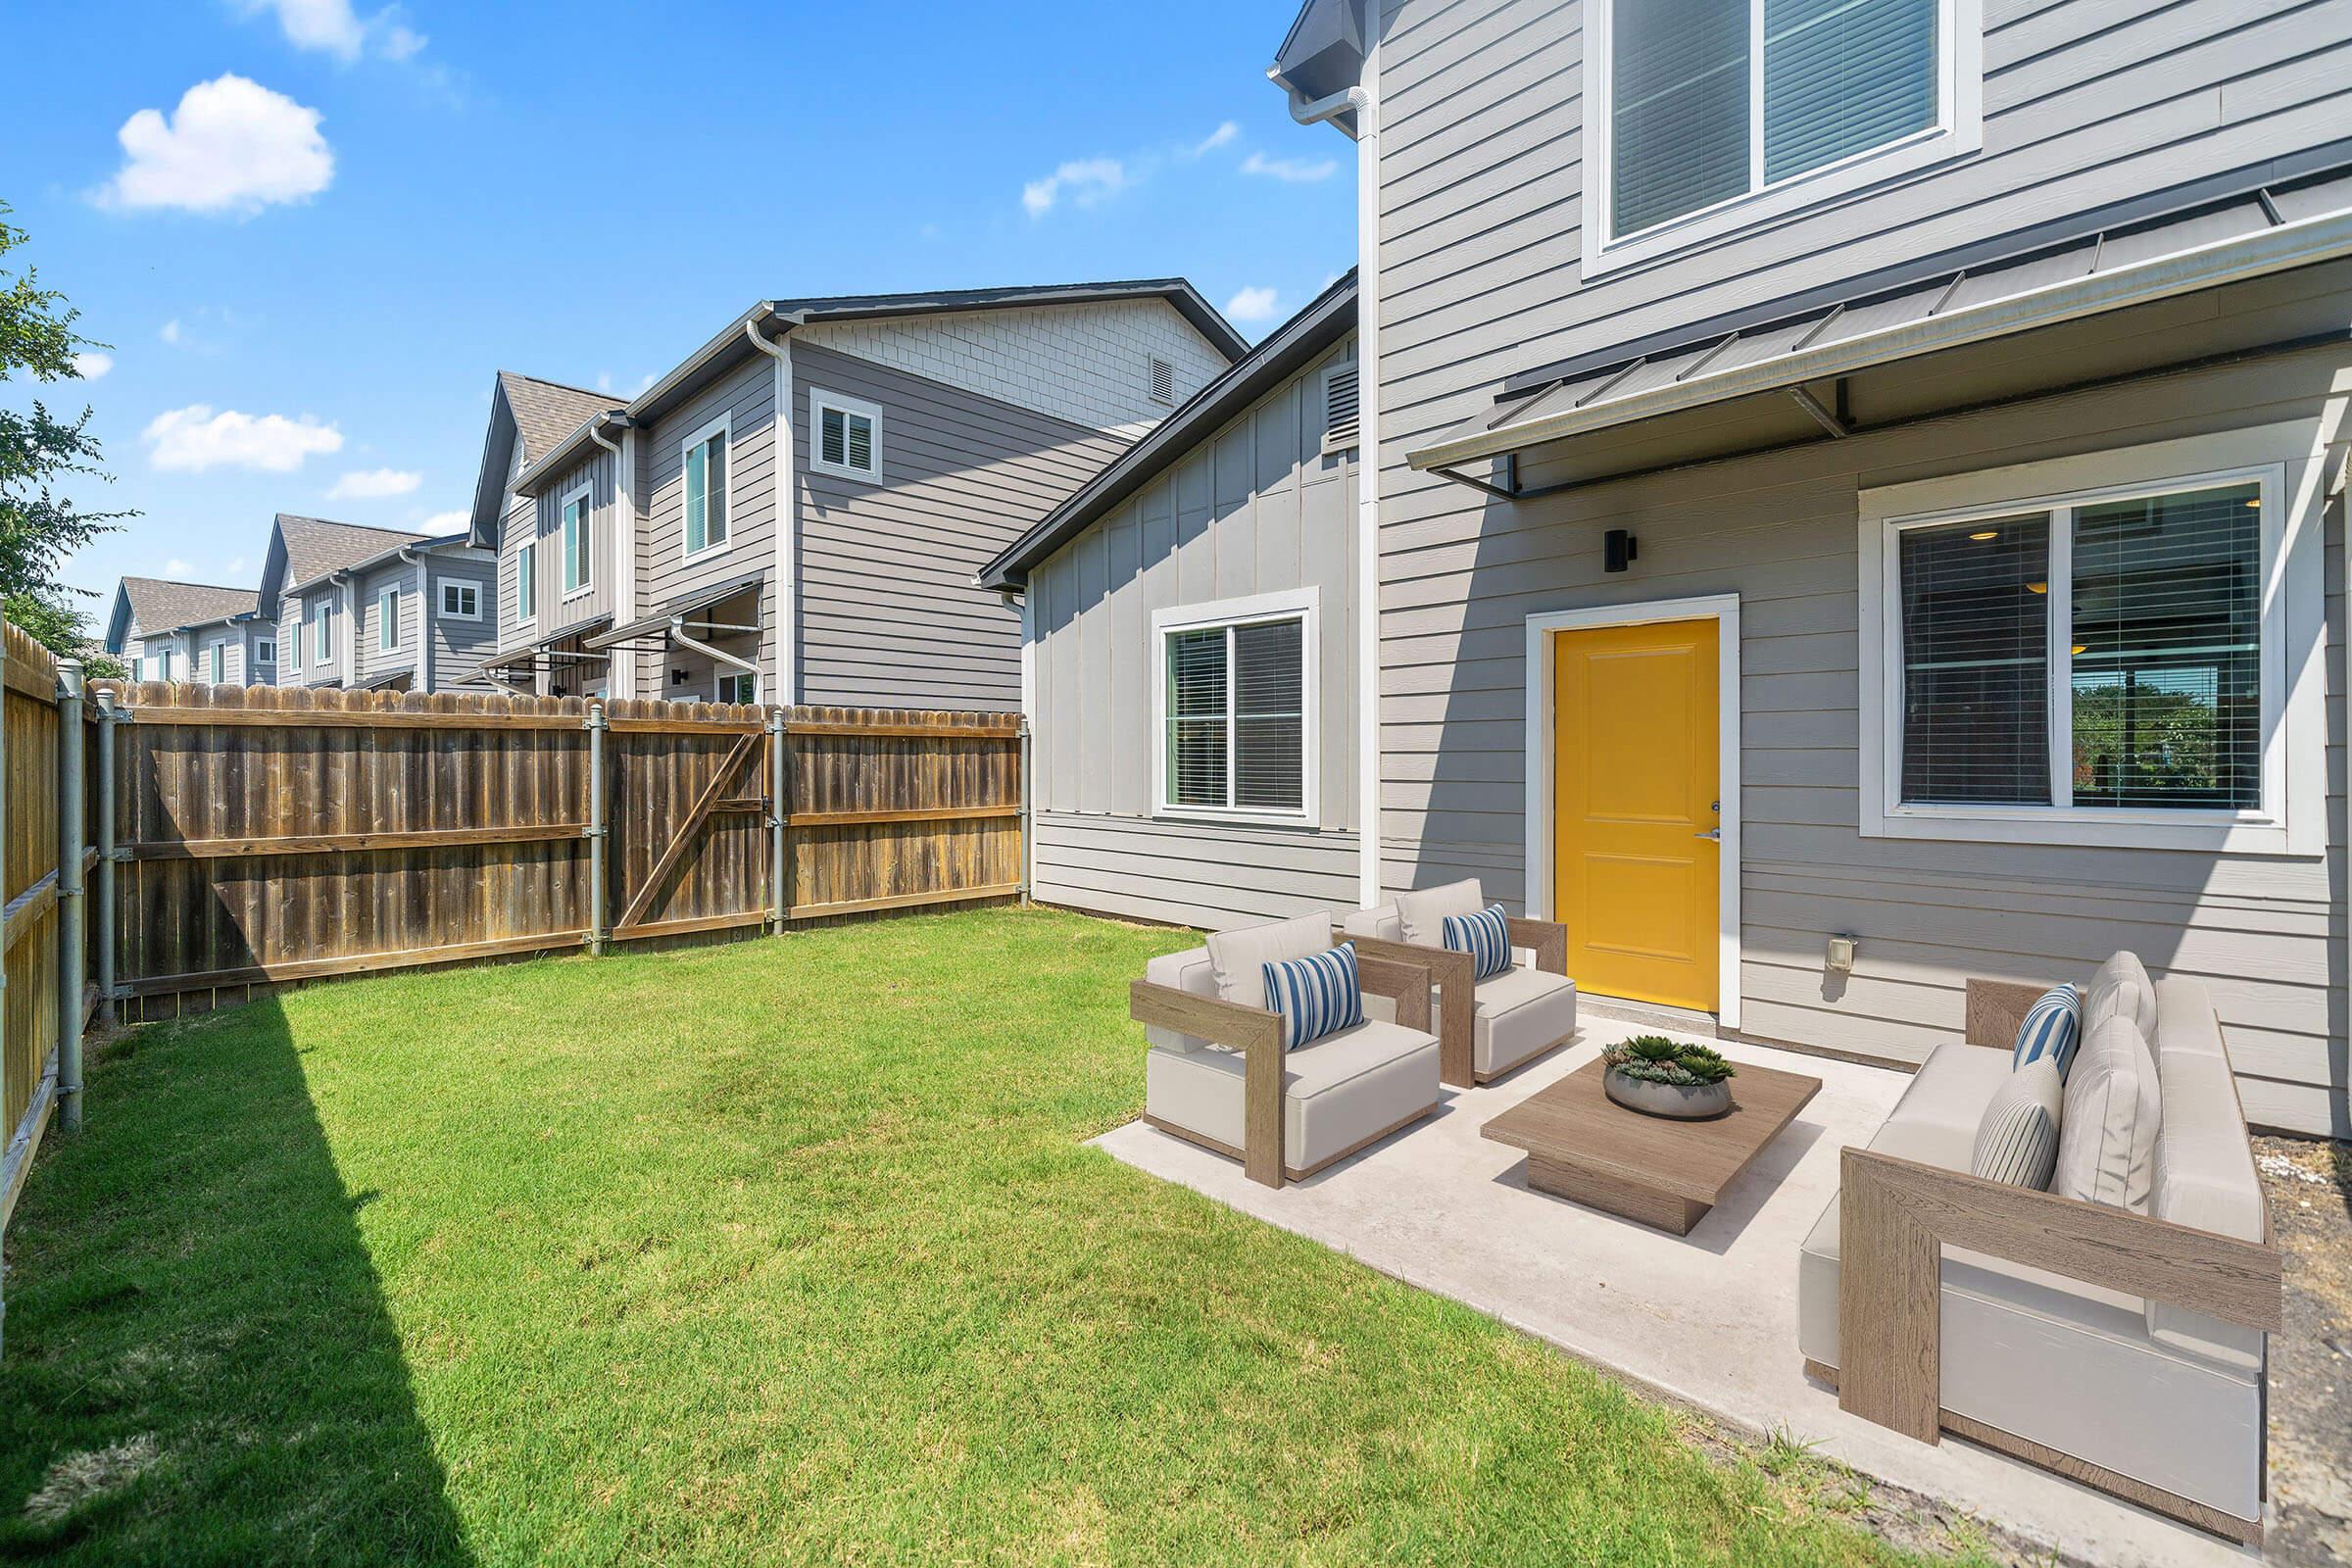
<point>1217,1074</point>
<point>2120,1344</point>
<point>1488,1027</point>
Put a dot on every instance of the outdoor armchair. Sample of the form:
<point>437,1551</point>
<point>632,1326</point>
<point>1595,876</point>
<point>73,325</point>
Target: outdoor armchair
<point>1485,1027</point>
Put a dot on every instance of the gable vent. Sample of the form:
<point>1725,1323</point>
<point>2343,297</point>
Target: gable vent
<point>1339,409</point>
<point>1164,380</point>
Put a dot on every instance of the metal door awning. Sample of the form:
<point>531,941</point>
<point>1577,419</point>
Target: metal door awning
<point>655,627</point>
<point>1933,344</point>
<point>545,648</point>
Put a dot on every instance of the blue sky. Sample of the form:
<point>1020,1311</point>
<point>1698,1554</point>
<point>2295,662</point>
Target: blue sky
<point>310,231</point>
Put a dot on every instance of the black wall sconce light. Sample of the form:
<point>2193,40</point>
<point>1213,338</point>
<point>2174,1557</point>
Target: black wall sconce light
<point>1619,549</point>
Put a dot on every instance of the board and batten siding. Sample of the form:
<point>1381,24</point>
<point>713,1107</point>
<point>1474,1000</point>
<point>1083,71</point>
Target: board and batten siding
<point>745,397</point>
<point>2086,104</point>
<point>1255,508</point>
<point>545,519</point>
<point>368,620</point>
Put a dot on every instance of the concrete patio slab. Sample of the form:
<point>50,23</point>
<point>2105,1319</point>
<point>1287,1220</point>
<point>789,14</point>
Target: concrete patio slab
<point>1708,1319</point>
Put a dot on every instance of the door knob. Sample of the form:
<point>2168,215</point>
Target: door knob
<point>1712,835</point>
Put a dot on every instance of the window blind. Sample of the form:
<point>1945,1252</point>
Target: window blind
<point>1679,108</point>
<point>848,440</point>
<point>1845,75</point>
<point>1976,662</point>
<point>1269,694</point>
<point>1198,690</point>
<point>2168,651</point>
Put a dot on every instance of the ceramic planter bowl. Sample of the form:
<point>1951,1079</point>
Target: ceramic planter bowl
<point>1681,1101</point>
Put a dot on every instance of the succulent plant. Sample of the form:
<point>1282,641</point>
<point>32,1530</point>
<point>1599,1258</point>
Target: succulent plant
<point>1656,1059</point>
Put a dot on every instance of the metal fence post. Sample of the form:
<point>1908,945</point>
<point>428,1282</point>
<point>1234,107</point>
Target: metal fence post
<point>597,895</point>
<point>777,817</point>
<point>108,718</point>
<point>72,960</point>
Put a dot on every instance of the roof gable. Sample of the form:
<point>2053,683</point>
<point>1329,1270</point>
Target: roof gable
<point>528,418</point>
<point>302,550</point>
<point>152,605</point>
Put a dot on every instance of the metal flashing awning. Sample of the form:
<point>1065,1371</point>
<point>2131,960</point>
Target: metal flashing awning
<point>545,648</point>
<point>1934,345</point>
<point>656,625</point>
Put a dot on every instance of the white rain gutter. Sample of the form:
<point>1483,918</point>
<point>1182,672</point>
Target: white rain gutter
<point>1363,100</point>
<point>2305,242</point>
<point>424,616</point>
<point>788,518</point>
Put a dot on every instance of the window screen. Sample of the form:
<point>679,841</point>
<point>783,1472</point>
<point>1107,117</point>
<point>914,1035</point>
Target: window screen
<point>707,494</point>
<point>1975,662</point>
<point>2168,651</point>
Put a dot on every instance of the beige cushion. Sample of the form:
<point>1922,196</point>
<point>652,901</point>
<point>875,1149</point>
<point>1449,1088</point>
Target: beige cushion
<point>1188,970</point>
<point>1935,1121</point>
<point>1422,915</point>
<point>1337,1092</point>
<point>1382,923</point>
<point>2205,1175</point>
<point>1239,957</point>
<point>1521,1014</point>
<point>2017,1140</point>
<point>2121,987</point>
<point>2107,1134</point>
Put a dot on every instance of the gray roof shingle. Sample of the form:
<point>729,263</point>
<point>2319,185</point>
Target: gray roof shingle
<point>316,545</point>
<point>160,606</point>
<point>545,411</point>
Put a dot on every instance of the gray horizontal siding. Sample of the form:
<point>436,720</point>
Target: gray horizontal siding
<point>889,614</point>
<point>458,646</point>
<point>747,397</point>
<point>1210,877</point>
<point>409,625</point>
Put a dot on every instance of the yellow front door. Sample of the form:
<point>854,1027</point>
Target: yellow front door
<point>1635,822</point>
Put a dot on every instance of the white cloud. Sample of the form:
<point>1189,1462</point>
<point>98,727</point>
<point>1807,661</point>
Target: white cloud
<point>231,146</point>
<point>1087,180</point>
<point>1222,137</point>
<point>170,332</point>
<point>177,568</point>
<point>1291,170</point>
<point>1252,305</point>
<point>192,439</point>
<point>445,523</point>
<point>91,365</point>
<point>236,567</point>
<point>334,28</point>
<point>373,484</point>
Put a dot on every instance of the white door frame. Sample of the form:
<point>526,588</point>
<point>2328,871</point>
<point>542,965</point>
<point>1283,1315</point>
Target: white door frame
<point>1543,717</point>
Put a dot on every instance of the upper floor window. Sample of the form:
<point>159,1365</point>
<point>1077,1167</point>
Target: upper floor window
<point>1709,115</point>
<point>575,542</point>
<point>323,632</point>
<point>845,436</point>
<point>218,657</point>
<point>526,584</point>
<point>387,620</point>
<point>265,652</point>
<point>2107,664</point>
<point>460,600</point>
<point>706,470</point>
<point>1236,701</point>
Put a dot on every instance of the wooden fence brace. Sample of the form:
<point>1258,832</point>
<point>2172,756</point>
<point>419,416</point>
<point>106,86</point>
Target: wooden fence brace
<point>776,816</point>
<point>71,840</point>
<point>105,935</point>
<point>597,836</point>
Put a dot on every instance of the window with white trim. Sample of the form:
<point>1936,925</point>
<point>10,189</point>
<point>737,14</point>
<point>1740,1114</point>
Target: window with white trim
<point>845,437</point>
<point>294,641</point>
<point>265,652</point>
<point>1236,708</point>
<point>738,687</point>
<point>388,621</point>
<point>218,654</point>
<point>460,600</point>
<point>704,461</point>
<point>526,584</point>
<point>573,530</point>
<point>2098,666</point>
<point>323,631</point>
<point>1746,109</point>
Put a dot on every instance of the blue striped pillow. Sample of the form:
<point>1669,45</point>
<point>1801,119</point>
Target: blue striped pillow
<point>1485,936</point>
<point>2053,1028</point>
<point>1318,995</point>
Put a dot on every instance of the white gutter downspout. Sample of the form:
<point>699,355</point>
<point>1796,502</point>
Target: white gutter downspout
<point>624,593</point>
<point>1364,100</point>
<point>788,519</point>
<point>424,621</point>
<point>677,635</point>
<point>349,631</point>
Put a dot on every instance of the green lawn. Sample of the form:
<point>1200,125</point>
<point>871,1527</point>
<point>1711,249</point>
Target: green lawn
<point>788,1250</point>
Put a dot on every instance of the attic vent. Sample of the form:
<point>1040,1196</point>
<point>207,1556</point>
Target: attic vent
<point>1339,409</point>
<point>1164,380</point>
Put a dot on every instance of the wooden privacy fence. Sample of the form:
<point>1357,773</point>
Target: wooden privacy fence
<point>258,836</point>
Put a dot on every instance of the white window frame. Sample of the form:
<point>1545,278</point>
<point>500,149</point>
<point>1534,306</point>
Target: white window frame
<point>323,634</point>
<point>294,643</point>
<point>460,586</point>
<point>723,430</point>
<point>1297,603</point>
<point>718,686</point>
<point>819,400</point>
<point>1958,132</point>
<point>387,620</point>
<point>584,494</point>
<point>2287,462</point>
<point>526,586</point>
<point>265,652</point>
<point>218,673</point>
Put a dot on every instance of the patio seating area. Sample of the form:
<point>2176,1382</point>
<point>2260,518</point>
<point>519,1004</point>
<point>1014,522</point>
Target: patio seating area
<point>1711,1319</point>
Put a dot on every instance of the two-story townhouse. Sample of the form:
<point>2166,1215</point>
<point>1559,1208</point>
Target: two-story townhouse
<point>378,608</point>
<point>162,630</point>
<point>796,511</point>
<point>1863,470</point>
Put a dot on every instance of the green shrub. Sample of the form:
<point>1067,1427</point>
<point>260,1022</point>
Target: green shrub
<point>1656,1059</point>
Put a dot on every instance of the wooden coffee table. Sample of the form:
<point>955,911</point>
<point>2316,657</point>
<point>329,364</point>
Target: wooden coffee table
<point>1583,1146</point>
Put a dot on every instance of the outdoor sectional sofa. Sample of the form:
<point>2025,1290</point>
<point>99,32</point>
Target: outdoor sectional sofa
<point>2121,1344</point>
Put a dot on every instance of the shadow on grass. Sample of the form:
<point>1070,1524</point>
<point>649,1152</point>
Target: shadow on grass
<point>200,1364</point>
